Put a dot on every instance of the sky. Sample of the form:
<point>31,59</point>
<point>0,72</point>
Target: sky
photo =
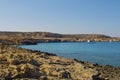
<point>61,16</point>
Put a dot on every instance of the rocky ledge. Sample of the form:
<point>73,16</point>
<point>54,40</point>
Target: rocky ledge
<point>17,63</point>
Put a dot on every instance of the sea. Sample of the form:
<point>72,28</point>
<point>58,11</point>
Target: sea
<point>103,53</point>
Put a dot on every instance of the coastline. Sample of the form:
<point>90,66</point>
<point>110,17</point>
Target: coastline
<point>19,63</point>
<point>17,38</point>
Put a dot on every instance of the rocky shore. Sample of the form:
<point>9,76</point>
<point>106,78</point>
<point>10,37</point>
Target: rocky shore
<point>22,64</point>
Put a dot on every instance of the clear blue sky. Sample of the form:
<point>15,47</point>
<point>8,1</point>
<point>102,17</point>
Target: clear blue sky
<point>61,16</point>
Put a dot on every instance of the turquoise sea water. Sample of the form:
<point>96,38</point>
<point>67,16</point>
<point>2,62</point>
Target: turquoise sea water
<point>104,53</point>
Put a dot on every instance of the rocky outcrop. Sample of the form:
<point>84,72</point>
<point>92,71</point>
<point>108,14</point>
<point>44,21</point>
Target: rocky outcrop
<point>105,72</point>
<point>17,63</point>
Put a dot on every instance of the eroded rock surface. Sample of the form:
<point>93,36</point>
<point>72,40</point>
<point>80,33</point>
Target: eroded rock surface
<point>17,63</point>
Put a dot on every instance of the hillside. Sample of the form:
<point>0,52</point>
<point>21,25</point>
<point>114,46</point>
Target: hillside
<point>48,35</point>
<point>36,37</point>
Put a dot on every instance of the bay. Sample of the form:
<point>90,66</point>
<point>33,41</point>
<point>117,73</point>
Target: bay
<point>103,53</point>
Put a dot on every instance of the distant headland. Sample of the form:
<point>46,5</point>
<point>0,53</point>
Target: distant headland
<point>40,37</point>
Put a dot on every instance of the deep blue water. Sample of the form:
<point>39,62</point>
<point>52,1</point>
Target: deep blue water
<point>104,53</point>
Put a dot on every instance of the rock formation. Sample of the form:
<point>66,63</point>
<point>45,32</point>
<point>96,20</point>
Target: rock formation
<point>17,63</point>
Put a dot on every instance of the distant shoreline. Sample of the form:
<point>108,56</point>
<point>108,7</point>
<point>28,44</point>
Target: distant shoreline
<point>42,37</point>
